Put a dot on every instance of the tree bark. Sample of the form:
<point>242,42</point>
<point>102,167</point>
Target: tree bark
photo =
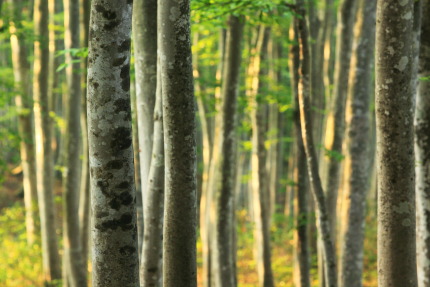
<point>395,146</point>
<point>422,152</point>
<point>179,246</point>
<point>43,132</point>
<point>115,260</point>
<point>311,156</point>
<point>357,161</point>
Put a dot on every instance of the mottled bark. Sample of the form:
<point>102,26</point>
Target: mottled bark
<point>323,224</point>
<point>357,160</point>
<point>115,260</point>
<point>179,246</point>
<point>23,101</point>
<point>43,132</point>
<point>152,252</point>
<point>422,152</point>
<point>225,160</point>
<point>395,146</point>
<point>145,54</point>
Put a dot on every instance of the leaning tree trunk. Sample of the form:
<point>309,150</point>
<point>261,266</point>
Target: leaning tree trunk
<point>422,152</point>
<point>152,252</point>
<point>311,155</point>
<point>179,246</point>
<point>115,260</point>
<point>73,260</point>
<point>21,68</point>
<point>43,132</point>
<point>395,144</point>
<point>358,137</point>
<point>225,160</point>
<point>145,54</point>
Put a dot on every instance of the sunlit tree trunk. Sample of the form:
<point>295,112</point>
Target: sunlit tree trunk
<point>179,245</point>
<point>395,146</point>
<point>357,160</point>
<point>422,149</point>
<point>23,101</point>
<point>43,132</point>
<point>115,260</point>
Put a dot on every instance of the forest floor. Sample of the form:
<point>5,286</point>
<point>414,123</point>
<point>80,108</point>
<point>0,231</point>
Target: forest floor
<point>21,265</point>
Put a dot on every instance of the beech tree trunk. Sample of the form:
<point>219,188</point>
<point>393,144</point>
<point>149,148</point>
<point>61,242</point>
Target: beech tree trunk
<point>357,162</point>
<point>43,132</point>
<point>115,260</point>
<point>179,246</point>
<point>395,144</point>
<point>422,152</point>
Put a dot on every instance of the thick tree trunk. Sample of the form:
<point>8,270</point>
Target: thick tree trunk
<point>395,146</point>
<point>43,132</point>
<point>145,54</point>
<point>152,252</point>
<point>225,160</point>
<point>73,264</point>
<point>179,246</point>
<point>115,260</point>
<point>357,162</point>
<point>311,156</point>
<point>21,68</point>
<point>422,152</point>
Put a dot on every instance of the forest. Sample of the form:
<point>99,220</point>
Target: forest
<point>215,143</point>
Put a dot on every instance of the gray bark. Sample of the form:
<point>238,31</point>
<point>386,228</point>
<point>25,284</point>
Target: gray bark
<point>43,132</point>
<point>395,146</point>
<point>422,152</point>
<point>357,162</point>
<point>225,159</point>
<point>115,260</point>
<point>179,246</point>
<point>323,224</point>
<point>145,53</point>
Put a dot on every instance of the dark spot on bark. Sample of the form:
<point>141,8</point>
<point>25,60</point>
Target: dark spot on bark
<point>101,214</point>
<point>114,164</point>
<point>126,198</point>
<point>124,184</point>
<point>125,71</point>
<point>152,269</point>
<point>129,2</point>
<point>121,139</point>
<point>110,15</point>
<point>127,250</point>
<point>115,203</point>
<point>125,46</point>
<point>122,105</point>
<point>119,61</point>
<point>125,84</point>
<point>124,222</point>
<point>103,185</point>
<point>95,85</point>
<point>126,219</point>
<point>111,25</point>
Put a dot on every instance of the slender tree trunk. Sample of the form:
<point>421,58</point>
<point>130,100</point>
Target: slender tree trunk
<point>395,146</point>
<point>358,137</point>
<point>225,159</point>
<point>311,156</point>
<point>73,264</point>
<point>23,101</point>
<point>145,54</point>
<point>152,253</point>
<point>43,131</point>
<point>115,260</point>
<point>179,246</point>
<point>422,152</point>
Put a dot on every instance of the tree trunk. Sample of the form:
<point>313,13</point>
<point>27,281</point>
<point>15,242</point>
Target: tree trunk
<point>43,131</point>
<point>357,161</point>
<point>422,152</point>
<point>115,260</point>
<point>395,146</point>
<point>311,156</point>
<point>145,54</point>
<point>152,253</point>
<point>21,68</point>
<point>179,246</point>
<point>225,160</point>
